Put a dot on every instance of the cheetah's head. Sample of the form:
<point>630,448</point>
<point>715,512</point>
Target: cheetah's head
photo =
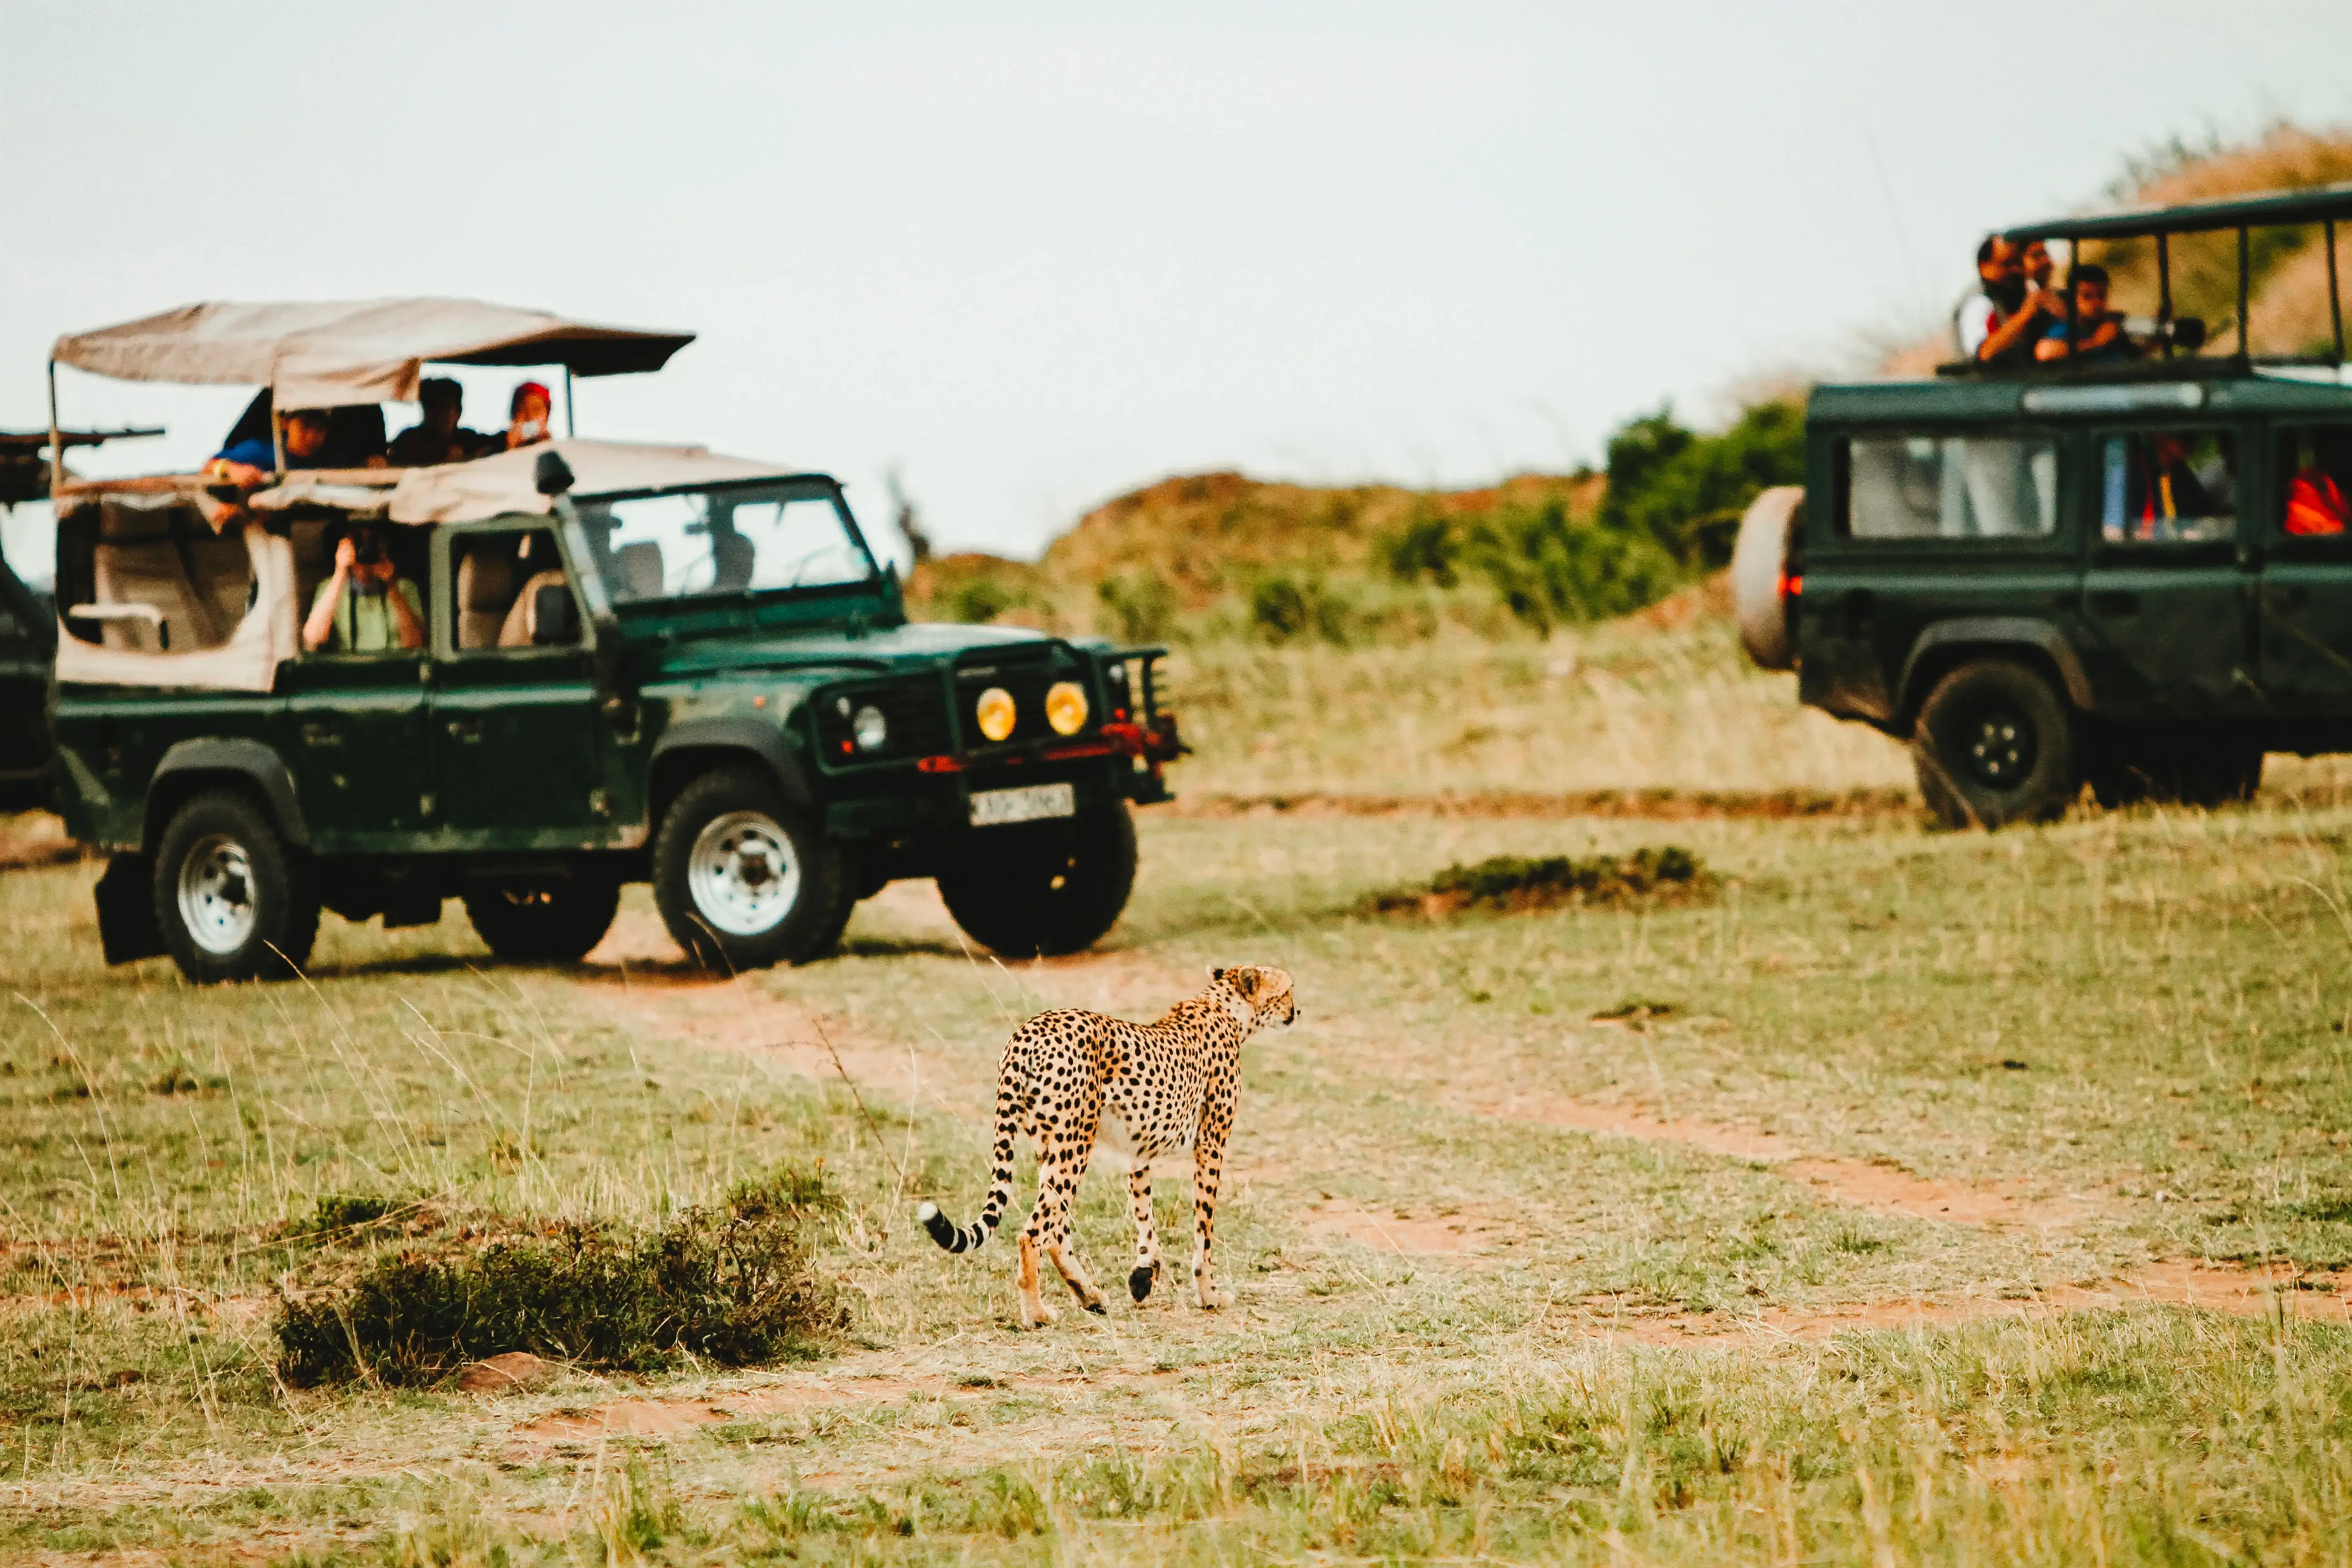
<point>1260,988</point>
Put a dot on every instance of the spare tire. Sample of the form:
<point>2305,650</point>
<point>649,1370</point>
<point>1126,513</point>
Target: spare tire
<point>1758,561</point>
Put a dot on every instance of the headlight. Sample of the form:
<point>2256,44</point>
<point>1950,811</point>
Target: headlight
<point>996,713</point>
<point>1066,706</point>
<point>870,728</point>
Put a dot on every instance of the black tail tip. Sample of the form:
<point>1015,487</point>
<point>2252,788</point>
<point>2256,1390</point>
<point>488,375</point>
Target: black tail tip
<point>942,1230</point>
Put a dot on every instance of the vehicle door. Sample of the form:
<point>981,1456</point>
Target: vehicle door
<point>352,732</point>
<point>2306,593</point>
<point>521,752</point>
<point>1929,527</point>
<point>2168,592</point>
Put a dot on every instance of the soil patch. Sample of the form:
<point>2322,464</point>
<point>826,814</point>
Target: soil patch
<point>1389,1231</point>
<point>2241,1292</point>
<point>1879,1189</point>
<point>1653,804</point>
<point>668,1416</point>
<point>35,838</point>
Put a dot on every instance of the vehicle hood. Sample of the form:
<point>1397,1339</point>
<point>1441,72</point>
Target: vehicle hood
<point>914,645</point>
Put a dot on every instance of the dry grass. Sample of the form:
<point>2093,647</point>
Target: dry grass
<point>1804,1224</point>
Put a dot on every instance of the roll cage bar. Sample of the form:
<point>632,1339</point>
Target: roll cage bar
<point>2326,206</point>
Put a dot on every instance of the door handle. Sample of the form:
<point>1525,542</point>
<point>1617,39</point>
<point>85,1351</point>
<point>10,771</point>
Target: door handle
<point>315,733</point>
<point>2116,603</point>
<point>465,729</point>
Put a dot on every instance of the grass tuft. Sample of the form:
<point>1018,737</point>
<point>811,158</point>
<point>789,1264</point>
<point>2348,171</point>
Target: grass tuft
<point>736,1286</point>
<point>1517,883</point>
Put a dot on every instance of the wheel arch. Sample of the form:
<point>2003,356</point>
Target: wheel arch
<point>1946,645</point>
<point>689,751</point>
<point>191,767</point>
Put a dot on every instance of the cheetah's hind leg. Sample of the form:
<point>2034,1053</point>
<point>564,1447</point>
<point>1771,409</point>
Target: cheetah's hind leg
<point>1139,1278</point>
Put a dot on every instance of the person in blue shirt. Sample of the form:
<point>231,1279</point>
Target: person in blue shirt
<point>251,463</point>
<point>2098,334</point>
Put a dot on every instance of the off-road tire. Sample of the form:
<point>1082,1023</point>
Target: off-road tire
<point>807,926</point>
<point>544,925</point>
<point>1047,887</point>
<point>271,938</point>
<point>1996,744</point>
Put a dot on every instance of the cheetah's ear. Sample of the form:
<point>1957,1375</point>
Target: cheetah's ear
<point>1215,973</point>
<point>1246,982</point>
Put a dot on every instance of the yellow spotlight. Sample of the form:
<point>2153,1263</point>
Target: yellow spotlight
<point>996,713</point>
<point>1066,706</point>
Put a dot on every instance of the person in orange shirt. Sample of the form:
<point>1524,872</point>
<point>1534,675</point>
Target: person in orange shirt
<point>2315,502</point>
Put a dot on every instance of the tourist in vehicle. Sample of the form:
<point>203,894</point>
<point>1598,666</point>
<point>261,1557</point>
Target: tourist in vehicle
<point>253,462</point>
<point>437,437</point>
<point>528,423</point>
<point>2034,259</point>
<point>1996,324</point>
<point>366,606</point>
<point>2315,501</point>
<point>2096,334</point>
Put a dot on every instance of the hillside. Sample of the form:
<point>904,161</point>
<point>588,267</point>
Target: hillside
<point>1224,557</point>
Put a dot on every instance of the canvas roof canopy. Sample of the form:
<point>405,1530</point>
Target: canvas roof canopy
<point>326,353</point>
<point>505,483</point>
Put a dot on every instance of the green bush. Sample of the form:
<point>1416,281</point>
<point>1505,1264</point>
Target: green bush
<point>1284,608</point>
<point>1139,607</point>
<point>1684,492</point>
<point>1521,881</point>
<point>736,1286</point>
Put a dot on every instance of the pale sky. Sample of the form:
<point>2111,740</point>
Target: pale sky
<point>1038,255</point>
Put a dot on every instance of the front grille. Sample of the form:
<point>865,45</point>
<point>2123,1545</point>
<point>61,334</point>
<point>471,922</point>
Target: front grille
<point>1027,684</point>
<point>918,721</point>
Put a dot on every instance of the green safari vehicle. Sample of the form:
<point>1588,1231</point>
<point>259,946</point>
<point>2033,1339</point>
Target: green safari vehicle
<point>638,664</point>
<point>2133,575</point>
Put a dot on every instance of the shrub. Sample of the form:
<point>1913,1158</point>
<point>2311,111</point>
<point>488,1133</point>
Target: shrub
<point>1284,608</point>
<point>736,1286</point>
<point>1516,882</point>
<point>1139,607</point>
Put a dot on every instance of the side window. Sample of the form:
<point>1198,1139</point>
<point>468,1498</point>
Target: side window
<point>499,580</point>
<point>2314,479</point>
<point>1951,488</point>
<point>2167,487</point>
<point>369,605</point>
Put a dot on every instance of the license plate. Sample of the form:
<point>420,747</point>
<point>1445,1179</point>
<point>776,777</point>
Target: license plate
<point>1032,803</point>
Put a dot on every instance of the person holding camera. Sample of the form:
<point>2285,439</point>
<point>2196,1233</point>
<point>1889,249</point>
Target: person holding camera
<point>527,421</point>
<point>366,606</point>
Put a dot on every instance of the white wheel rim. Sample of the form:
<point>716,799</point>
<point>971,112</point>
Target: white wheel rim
<point>743,874</point>
<point>216,901</point>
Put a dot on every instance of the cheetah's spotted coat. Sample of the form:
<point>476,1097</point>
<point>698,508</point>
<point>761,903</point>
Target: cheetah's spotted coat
<point>1069,1076</point>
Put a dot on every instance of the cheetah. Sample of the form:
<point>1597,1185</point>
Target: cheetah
<point>1071,1079</point>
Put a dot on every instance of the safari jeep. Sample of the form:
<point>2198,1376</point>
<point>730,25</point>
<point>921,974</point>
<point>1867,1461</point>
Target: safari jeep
<point>2060,576</point>
<point>639,664</point>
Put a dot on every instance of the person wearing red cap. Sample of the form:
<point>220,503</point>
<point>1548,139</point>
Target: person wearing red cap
<point>528,424</point>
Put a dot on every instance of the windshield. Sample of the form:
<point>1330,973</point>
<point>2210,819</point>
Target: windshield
<point>736,539</point>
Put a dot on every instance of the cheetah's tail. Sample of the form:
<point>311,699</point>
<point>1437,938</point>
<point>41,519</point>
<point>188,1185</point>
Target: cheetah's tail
<point>1000,1189</point>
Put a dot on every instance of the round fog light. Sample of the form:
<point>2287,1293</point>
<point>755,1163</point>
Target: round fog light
<point>995,713</point>
<point>870,728</point>
<point>1066,706</point>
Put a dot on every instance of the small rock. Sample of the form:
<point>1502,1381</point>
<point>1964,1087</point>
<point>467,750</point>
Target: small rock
<point>502,1373</point>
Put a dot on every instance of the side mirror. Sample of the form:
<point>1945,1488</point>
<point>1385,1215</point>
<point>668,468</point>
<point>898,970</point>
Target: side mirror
<point>552,475</point>
<point>554,616</point>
